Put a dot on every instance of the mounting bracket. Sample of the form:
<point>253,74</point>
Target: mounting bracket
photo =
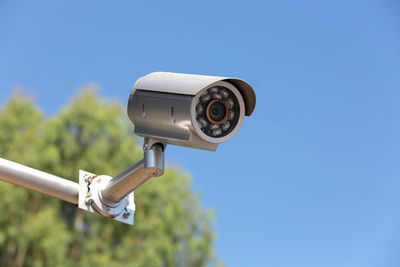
<point>90,199</point>
<point>114,197</point>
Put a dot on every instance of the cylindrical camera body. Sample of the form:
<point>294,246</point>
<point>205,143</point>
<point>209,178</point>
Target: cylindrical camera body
<point>189,110</point>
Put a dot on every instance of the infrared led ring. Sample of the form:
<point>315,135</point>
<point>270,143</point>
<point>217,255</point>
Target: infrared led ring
<point>217,111</point>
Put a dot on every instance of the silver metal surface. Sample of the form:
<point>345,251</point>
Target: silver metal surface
<point>154,160</point>
<point>127,181</point>
<point>90,199</point>
<point>38,181</point>
<point>165,117</point>
<point>190,84</point>
<point>161,115</point>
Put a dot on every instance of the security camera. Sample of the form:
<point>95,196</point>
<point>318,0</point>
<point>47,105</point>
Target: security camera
<point>189,110</point>
<point>167,108</point>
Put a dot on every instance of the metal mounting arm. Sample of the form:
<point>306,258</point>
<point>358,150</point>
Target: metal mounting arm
<point>127,181</point>
<point>114,197</point>
<point>107,196</point>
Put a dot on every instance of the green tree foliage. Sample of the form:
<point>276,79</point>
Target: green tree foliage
<point>171,229</point>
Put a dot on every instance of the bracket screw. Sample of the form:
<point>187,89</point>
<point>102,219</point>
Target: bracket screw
<point>126,215</point>
<point>89,201</point>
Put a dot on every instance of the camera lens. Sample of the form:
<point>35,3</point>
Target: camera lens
<point>217,111</point>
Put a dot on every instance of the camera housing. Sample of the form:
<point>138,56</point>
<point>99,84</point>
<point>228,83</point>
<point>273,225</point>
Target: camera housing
<point>189,110</point>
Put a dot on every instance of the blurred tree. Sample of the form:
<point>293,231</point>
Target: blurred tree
<point>170,228</point>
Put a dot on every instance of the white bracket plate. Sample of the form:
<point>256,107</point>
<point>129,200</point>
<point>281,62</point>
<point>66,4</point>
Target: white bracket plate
<point>85,179</point>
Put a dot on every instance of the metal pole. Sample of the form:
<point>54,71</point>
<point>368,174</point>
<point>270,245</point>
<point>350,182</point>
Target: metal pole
<point>127,181</point>
<point>39,181</point>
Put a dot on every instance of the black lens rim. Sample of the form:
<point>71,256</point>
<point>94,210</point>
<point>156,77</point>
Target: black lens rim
<point>210,116</point>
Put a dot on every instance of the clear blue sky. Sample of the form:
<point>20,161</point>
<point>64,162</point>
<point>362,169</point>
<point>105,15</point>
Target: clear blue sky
<point>313,178</point>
